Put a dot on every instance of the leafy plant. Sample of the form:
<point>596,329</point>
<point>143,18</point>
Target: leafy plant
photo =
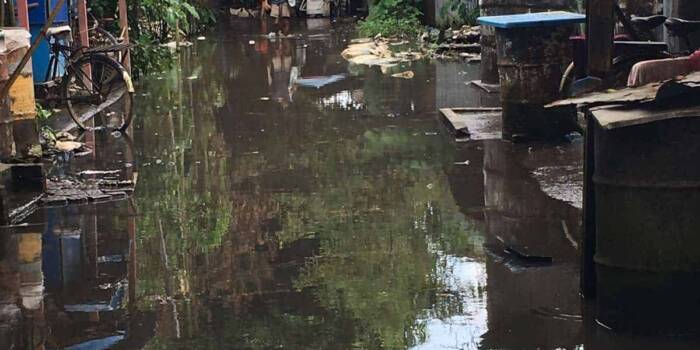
<point>148,56</point>
<point>393,18</point>
<point>42,114</point>
<point>155,22</point>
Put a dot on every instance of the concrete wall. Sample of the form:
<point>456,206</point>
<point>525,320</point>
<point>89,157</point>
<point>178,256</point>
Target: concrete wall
<point>431,10</point>
<point>685,9</point>
<point>18,130</point>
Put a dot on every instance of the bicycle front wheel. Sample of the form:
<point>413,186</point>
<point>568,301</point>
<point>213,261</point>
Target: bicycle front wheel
<point>98,92</point>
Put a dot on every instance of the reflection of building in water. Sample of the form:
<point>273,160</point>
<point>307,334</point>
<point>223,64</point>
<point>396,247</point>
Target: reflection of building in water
<point>21,290</point>
<point>529,306</point>
<point>85,270</point>
<point>64,287</point>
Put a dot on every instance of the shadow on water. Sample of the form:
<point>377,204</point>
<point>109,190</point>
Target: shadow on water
<point>272,215</point>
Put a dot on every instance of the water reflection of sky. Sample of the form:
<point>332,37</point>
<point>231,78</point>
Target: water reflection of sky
<point>465,279</point>
<point>345,100</point>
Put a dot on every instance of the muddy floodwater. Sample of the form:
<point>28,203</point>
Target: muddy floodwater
<point>286,199</point>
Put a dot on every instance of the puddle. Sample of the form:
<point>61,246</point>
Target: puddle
<point>330,218</point>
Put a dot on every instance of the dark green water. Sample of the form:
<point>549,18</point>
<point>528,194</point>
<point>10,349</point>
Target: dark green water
<point>272,216</point>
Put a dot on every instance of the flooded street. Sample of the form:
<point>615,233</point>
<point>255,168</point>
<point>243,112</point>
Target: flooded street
<point>286,199</point>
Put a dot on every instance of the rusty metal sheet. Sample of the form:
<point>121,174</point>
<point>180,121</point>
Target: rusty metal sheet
<point>646,93</point>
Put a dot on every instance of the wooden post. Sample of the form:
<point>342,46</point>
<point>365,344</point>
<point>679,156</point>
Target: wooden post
<point>27,56</point>
<point>671,10</point>
<point>23,14</point>
<point>124,25</point>
<point>83,24</point>
<point>600,27</point>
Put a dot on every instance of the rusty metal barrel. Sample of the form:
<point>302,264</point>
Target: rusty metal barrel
<point>489,65</point>
<point>646,179</point>
<point>533,51</point>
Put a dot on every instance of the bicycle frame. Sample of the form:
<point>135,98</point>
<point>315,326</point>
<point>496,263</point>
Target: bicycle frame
<point>71,56</point>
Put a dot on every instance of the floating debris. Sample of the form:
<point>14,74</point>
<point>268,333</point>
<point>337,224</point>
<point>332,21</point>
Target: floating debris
<point>68,146</point>
<point>404,75</point>
<point>371,53</point>
<point>522,253</point>
<point>320,81</point>
<point>98,172</point>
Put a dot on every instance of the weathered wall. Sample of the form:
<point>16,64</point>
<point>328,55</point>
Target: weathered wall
<point>18,112</point>
<point>685,9</point>
<point>6,139</point>
<point>433,8</point>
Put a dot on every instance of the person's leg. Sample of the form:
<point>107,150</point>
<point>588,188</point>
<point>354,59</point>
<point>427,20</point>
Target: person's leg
<point>275,13</point>
<point>286,13</point>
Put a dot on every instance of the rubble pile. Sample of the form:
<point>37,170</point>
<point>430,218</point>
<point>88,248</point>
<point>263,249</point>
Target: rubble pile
<point>61,192</point>
<point>460,43</point>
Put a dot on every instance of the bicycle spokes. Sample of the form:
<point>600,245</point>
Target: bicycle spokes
<point>98,90</point>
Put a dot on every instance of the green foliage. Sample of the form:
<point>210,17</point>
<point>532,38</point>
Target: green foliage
<point>164,19</point>
<point>456,13</point>
<point>148,56</point>
<point>42,114</point>
<point>393,18</point>
<point>154,22</point>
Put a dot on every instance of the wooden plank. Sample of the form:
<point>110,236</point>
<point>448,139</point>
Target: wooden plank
<point>473,123</point>
<point>529,20</point>
<point>600,27</point>
<point>124,25</point>
<point>646,93</point>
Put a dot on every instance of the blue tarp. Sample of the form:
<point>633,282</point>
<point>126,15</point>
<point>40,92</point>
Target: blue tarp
<point>528,20</point>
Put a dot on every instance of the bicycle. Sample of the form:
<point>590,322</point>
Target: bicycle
<point>98,36</point>
<point>91,84</point>
<point>629,49</point>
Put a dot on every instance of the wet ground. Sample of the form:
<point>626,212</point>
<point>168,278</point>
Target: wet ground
<point>272,215</point>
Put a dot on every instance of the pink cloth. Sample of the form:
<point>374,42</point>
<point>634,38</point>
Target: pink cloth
<point>646,72</point>
<point>695,61</point>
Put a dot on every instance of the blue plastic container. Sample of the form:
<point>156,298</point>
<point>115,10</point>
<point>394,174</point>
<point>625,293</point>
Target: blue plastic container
<point>38,15</point>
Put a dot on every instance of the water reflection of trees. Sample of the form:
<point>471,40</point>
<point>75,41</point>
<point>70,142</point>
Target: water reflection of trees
<point>305,234</point>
